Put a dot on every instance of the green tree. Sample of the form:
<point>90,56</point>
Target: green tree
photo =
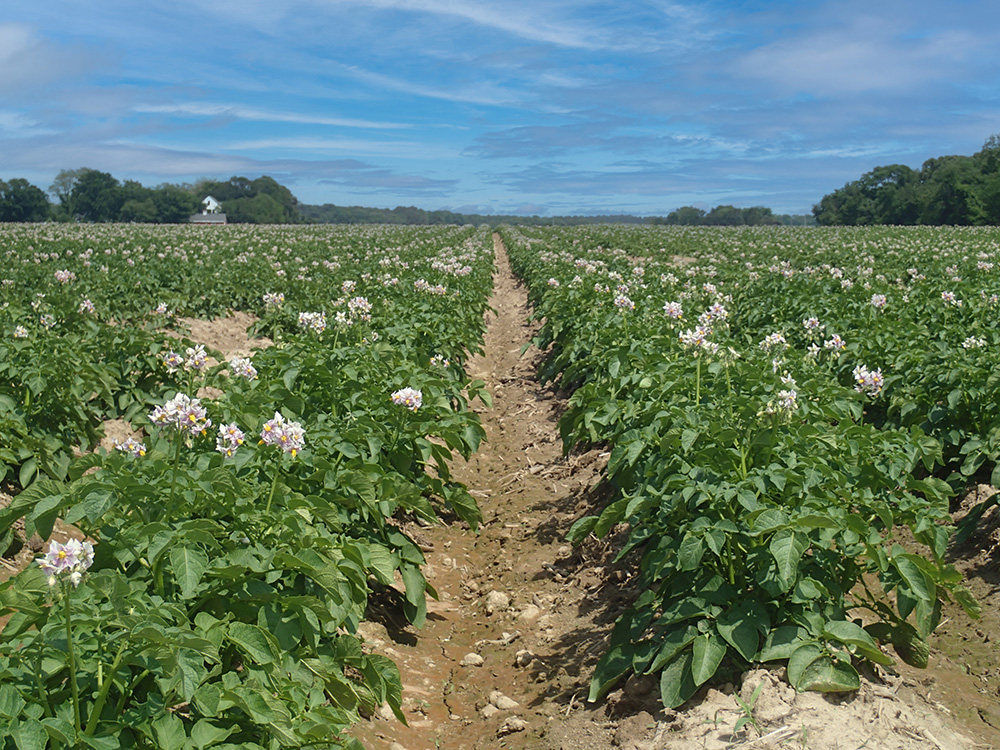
<point>724,216</point>
<point>949,191</point>
<point>22,201</point>
<point>143,211</point>
<point>686,216</point>
<point>174,205</point>
<point>96,196</point>
<point>62,189</point>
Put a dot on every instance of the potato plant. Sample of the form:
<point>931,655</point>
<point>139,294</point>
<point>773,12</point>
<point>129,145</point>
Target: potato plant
<point>778,403</point>
<point>232,547</point>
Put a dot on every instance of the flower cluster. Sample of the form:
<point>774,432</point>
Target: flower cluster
<point>230,438</point>
<point>86,306</point>
<point>715,312</point>
<point>360,308</point>
<point>673,310</point>
<point>69,560</point>
<point>868,381</point>
<point>974,342</point>
<point>20,332</point>
<point>242,367</point>
<point>786,403</point>
<point>554,282</point>
<point>439,361</point>
<point>131,446</point>
<point>289,436</point>
<point>949,298</point>
<point>411,398</point>
<point>878,301</point>
<point>64,277</point>
<point>697,338</point>
<point>313,321</point>
<point>184,413</point>
<point>194,359</point>
<point>835,344</point>
<point>773,341</point>
<point>622,302</point>
<point>47,320</point>
<point>272,299</point>
<point>811,324</point>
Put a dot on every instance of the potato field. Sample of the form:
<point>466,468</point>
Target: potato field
<point>791,418</point>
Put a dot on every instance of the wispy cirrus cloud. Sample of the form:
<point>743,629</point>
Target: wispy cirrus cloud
<point>242,112</point>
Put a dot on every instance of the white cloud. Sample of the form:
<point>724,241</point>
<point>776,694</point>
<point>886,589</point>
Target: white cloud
<point>866,56</point>
<point>28,61</point>
<point>241,112</point>
<point>352,146</point>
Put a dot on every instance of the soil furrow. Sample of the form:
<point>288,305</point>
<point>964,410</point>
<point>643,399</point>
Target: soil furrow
<point>505,657</point>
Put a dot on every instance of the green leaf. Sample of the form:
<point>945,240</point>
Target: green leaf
<point>801,658</point>
<point>11,701</point>
<point>169,731</point>
<point>97,503</point>
<point>205,734</point>
<point>190,672</point>
<point>852,634</point>
<point>917,579</point>
<point>769,520</point>
<point>59,730</point>
<point>581,528</point>
<point>911,647</point>
<point>690,552</point>
<point>103,742</point>
<point>28,734</point>
<point>787,548</point>
<point>782,642</point>
<point>742,626</point>
<point>670,645</point>
<point>707,652</point>
<point>967,601</point>
<point>383,563</point>
<point>676,681</point>
<point>828,675</point>
<point>255,642</point>
<point>688,438</point>
<point>189,565</point>
<point>28,470</point>
<point>613,665</point>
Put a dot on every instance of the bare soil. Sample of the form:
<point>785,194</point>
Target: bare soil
<point>505,658</point>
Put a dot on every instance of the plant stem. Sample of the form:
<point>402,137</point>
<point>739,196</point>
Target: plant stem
<point>173,480</point>
<point>71,656</point>
<point>102,697</point>
<point>729,554</point>
<point>270,497</point>
<point>43,696</point>
<point>697,380</point>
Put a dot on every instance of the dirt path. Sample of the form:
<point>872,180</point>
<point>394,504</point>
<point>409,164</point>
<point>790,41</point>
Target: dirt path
<point>505,657</point>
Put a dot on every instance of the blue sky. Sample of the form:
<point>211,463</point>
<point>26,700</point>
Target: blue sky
<point>509,106</point>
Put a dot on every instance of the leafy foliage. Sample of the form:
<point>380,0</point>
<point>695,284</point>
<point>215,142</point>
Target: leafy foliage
<point>229,577</point>
<point>760,463</point>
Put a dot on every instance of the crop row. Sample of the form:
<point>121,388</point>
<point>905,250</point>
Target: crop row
<point>779,404</point>
<point>221,559</point>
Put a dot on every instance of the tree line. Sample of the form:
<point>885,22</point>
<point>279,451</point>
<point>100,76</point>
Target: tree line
<point>945,190</point>
<point>89,195</point>
<point>730,216</point>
